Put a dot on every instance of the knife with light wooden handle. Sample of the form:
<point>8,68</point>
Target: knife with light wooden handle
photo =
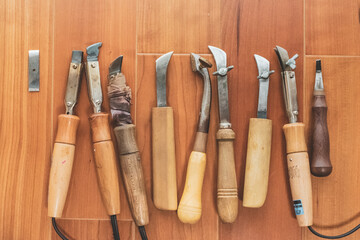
<point>259,144</point>
<point>227,189</point>
<point>163,143</point>
<point>190,207</point>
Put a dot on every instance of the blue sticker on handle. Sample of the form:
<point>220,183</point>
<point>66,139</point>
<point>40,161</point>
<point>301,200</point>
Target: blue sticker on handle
<point>298,207</point>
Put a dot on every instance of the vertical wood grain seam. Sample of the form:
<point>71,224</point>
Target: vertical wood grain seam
<point>136,59</point>
<point>52,97</point>
<point>303,234</point>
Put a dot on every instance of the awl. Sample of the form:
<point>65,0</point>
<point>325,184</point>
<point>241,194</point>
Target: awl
<point>227,190</point>
<point>259,143</point>
<point>296,149</point>
<point>189,210</point>
<point>132,172</point>
<point>320,161</point>
<point>163,143</point>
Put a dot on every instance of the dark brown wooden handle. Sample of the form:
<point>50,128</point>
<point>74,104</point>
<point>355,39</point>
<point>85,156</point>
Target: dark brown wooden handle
<point>320,163</point>
<point>132,173</point>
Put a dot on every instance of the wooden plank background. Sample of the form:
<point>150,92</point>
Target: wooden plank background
<point>142,30</point>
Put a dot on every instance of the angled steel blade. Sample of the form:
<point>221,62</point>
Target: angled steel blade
<point>263,66</point>
<point>319,84</point>
<point>93,52</point>
<point>115,66</point>
<point>223,95</point>
<point>161,69</point>
<point>74,82</point>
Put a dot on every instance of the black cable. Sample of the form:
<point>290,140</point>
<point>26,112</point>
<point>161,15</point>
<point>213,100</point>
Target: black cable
<point>142,233</point>
<point>337,236</point>
<point>57,230</point>
<point>115,227</point>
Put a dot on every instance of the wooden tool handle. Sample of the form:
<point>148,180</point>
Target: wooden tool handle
<point>320,161</point>
<point>163,159</point>
<point>105,161</point>
<point>299,172</point>
<point>227,190</point>
<point>132,173</point>
<point>189,210</point>
<point>257,162</point>
<point>61,164</point>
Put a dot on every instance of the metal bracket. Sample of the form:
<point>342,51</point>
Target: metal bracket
<point>34,73</point>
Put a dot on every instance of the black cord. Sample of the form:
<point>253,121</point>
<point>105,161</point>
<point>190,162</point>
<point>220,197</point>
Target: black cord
<point>57,230</point>
<point>115,227</point>
<point>337,236</point>
<point>142,233</point>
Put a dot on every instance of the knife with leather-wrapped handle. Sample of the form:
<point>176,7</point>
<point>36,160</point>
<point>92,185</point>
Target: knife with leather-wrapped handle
<point>130,163</point>
<point>320,160</point>
<point>227,189</point>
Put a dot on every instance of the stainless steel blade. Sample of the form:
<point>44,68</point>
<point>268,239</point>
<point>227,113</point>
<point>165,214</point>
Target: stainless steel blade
<point>74,81</point>
<point>264,72</point>
<point>223,95</point>
<point>319,84</point>
<point>34,72</point>
<point>161,69</point>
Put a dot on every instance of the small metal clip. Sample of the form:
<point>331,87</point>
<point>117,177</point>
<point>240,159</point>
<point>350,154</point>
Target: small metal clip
<point>265,75</point>
<point>291,62</point>
<point>223,71</point>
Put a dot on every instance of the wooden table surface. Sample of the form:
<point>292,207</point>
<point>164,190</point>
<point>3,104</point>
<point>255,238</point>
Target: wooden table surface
<point>142,30</point>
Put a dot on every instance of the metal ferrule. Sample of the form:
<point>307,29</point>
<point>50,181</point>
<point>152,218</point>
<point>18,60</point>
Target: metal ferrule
<point>94,84</point>
<point>73,87</point>
<point>290,95</point>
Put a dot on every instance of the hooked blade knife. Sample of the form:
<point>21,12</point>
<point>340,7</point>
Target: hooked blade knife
<point>227,191</point>
<point>163,143</point>
<point>296,149</point>
<point>259,144</point>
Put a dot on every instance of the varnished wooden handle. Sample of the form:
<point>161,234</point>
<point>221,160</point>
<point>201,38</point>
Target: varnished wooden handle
<point>227,190</point>
<point>105,161</point>
<point>61,164</point>
<point>299,173</point>
<point>132,173</point>
<point>320,161</point>
<point>189,210</point>
<point>257,162</point>
<point>163,159</point>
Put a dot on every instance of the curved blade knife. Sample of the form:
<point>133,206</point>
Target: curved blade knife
<point>163,143</point>
<point>227,190</point>
<point>259,144</point>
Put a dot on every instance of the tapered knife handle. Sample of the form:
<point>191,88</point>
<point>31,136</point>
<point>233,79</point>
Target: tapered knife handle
<point>227,190</point>
<point>163,159</point>
<point>299,173</point>
<point>132,173</point>
<point>257,162</point>
<point>62,163</point>
<point>320,162</point>
<point>189,210</point>
<point>105,161</point>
